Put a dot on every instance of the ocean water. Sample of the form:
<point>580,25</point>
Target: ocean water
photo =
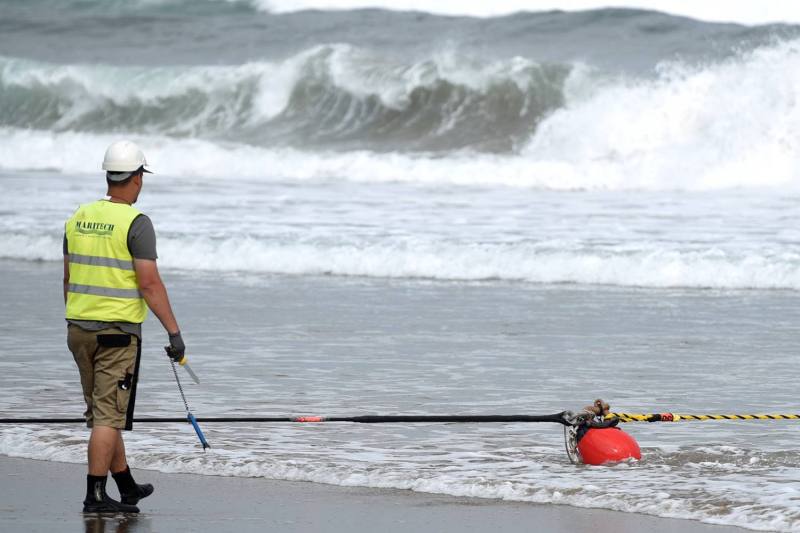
<point>365,211</point>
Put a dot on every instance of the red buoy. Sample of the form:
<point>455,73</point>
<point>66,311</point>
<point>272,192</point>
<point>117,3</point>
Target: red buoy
<point>607,445</point>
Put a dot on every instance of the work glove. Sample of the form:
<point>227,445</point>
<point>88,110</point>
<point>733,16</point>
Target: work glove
<point>176,348</point>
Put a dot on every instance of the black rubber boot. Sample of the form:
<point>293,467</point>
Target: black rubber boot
<point>142,491</point>
<point>131,492</point>
<point>97,501</point>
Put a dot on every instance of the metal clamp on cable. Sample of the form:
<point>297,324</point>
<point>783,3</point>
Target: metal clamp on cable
<point>600,422</point>
<point>576,419</point>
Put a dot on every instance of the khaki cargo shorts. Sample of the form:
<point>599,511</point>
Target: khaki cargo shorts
<point>108,362</point>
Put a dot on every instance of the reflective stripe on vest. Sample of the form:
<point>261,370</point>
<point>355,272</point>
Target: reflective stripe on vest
<point>100,261</point>
<point>104,291</point>
<point>102,280</point>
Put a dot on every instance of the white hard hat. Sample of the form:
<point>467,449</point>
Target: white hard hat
<point>124,156</point>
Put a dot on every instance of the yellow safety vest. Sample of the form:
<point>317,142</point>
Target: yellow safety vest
<point>102,281</point>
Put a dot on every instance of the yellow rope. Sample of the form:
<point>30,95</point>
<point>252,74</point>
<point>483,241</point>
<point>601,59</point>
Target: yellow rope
<point>675,417</point>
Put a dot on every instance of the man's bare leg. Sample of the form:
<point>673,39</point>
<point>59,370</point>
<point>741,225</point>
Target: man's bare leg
<point>103,445</point>
<point>119,461</point>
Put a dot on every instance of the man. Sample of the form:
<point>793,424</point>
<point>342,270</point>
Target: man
<point>110,279</point>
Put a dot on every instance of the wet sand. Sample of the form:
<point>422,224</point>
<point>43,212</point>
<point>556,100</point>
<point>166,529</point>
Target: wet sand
<point>46,496</point>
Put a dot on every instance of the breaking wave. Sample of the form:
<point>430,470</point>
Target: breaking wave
<point>340,112</point>
<point>328,96</point>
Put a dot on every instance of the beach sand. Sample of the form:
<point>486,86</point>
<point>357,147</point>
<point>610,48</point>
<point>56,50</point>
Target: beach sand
<point>46,496</point>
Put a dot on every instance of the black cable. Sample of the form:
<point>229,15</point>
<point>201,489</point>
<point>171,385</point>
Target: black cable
<point>366,419</point>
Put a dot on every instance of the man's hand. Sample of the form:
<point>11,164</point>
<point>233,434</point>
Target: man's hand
<point>176,349</point>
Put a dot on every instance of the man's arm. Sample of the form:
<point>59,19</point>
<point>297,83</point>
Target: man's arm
<point>155,293</point>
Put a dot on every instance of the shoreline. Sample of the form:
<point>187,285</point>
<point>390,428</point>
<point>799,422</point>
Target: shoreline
<point>47,495</point>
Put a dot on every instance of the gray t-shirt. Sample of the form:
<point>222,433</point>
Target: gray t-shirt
<point>142,245</point>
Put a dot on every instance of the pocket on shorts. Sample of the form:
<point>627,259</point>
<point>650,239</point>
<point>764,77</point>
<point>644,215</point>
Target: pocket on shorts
<point>124,392</point>
<point>114,340</point>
